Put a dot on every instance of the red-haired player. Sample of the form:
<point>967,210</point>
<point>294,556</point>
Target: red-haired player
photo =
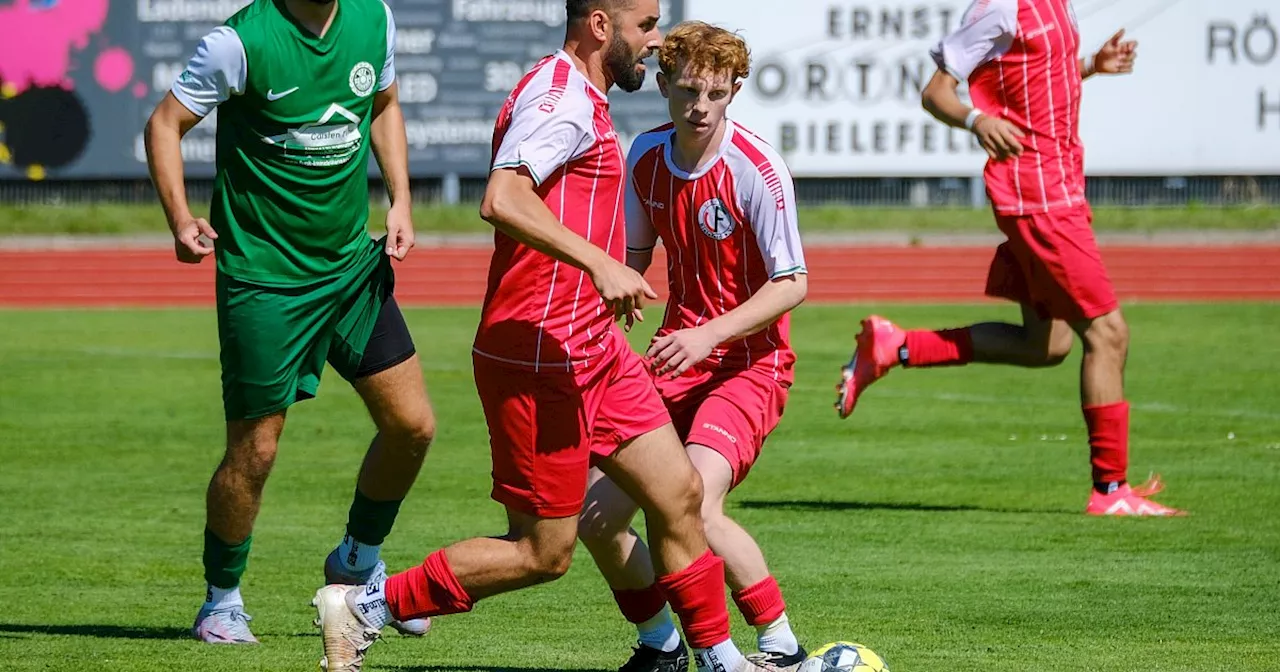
<point>721,201</point>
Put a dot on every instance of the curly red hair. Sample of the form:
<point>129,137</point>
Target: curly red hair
<point>706,49</point>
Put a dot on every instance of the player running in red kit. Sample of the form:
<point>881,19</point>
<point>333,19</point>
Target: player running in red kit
<point>1020,59</point>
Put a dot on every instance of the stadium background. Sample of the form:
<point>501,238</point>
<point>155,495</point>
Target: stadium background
<point>1187,150</point>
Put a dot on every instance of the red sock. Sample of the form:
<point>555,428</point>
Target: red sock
<point>1108,440</point>
<point>945,347</point>
<point>696,594</point>
<point>761,603</point>
<point>430,589</point>
<point>638,606</point>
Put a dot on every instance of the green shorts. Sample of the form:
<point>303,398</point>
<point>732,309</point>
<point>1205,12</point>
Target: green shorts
<point>275,340</point>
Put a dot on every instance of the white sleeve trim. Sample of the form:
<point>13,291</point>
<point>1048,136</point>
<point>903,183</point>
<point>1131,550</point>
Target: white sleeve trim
<point>547,129</point>
<point>389,65</point>
<point>986,31</point>
<point>769,202</point>
<point>641,236</point>
<point>218,70</point>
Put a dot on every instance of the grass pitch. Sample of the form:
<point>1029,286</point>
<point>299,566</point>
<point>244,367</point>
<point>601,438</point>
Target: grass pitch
<point>116,219</point>
<point>941,525</point>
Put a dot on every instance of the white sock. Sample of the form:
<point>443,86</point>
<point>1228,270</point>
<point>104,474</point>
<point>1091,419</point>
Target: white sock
<point>217,599</point>
<point>723,657</point>
<point>357,557</point>
<point>776,637</point>
<point>659,632</point>
<point>371,604</point>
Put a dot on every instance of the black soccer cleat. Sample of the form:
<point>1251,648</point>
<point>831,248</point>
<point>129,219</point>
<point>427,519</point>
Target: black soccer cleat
<point>649,659</point>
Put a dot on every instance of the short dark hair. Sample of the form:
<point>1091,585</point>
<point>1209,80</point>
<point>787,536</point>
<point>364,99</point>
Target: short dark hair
<point>580,9</point>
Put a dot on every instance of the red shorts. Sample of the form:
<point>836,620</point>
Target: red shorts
<point>731,411</point>
<point>545,429</point>
<point>1051,263</point>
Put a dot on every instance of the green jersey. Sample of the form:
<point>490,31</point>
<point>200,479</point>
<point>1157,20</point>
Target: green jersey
<point>291,195</point>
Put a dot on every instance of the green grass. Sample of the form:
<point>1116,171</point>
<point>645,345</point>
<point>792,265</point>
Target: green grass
<point>133,219</point>
<point>941,525</point>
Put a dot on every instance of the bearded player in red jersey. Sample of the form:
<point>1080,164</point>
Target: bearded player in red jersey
<point>722,202</point>
<point>1020,59</point>
<point>560,387</point>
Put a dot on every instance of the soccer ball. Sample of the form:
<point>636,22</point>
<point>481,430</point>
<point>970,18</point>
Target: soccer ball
<point>843,657</point>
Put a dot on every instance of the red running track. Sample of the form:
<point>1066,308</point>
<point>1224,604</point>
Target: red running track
<point>453,276</point>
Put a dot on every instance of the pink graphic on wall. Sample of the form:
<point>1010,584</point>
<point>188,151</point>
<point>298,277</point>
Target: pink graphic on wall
<point>37,40</point>
<point>50,52</point>
<point>113,69</point>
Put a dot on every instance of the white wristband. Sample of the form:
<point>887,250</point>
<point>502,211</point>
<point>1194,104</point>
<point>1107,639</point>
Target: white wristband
<point>972,119</point>
<point>1090,65</point>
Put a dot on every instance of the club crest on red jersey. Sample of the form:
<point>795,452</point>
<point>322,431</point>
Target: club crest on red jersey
<point>714,219</point>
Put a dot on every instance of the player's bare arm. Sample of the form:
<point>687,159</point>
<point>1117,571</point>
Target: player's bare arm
<point>513,207</point>
<point>679,351</point>
<point>391,148</point>
<point>163,138</point>
<point>998,136</point>
<point>1114,58</point>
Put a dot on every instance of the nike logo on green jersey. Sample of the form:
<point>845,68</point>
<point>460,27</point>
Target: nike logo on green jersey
<point>272,95</point>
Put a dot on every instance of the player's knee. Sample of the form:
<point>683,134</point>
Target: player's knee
<point>711,508</point>
<point>715,523</point>
<point>548,562</point>
<point>692,502</point>
<point>1108,333</point>
<point>251,459</point>
<point>681,506</point>
<point>413,432</point>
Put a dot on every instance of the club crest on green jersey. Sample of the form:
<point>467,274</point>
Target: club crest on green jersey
<point>362,79</point>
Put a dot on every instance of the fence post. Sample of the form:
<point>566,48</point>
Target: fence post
<point>451,188</point>
<point>977,192</point>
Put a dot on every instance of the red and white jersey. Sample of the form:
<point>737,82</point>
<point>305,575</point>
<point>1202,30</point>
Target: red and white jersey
<point>1021,59</point>
<point>538,312</point>
<point>728,229</point>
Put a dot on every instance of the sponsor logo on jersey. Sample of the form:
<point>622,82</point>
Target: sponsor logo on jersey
<point>272,95</point>
<point>331,141</point>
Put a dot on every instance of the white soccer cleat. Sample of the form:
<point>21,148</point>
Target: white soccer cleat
<point>334,572</point>
<point>223,626</point>
<point>346,636</point>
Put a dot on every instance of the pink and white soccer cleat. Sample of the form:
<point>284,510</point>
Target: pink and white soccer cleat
<point>1124,502</point>
<point>223,626</point>
<point>1153,486</point>
<point>876,353</point>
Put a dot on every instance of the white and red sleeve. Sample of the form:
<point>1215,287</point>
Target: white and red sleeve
<point>551,125</point>
<point>986,31</point>
<point>768,198</point>
<point>641,236</point>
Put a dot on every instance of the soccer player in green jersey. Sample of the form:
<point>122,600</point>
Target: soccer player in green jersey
<point>303,88</point>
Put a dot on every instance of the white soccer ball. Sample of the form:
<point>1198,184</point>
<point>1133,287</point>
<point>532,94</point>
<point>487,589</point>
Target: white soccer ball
<point>843,657</point>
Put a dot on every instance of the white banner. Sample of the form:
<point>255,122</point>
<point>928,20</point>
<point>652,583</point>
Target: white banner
<point>835,87</point>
